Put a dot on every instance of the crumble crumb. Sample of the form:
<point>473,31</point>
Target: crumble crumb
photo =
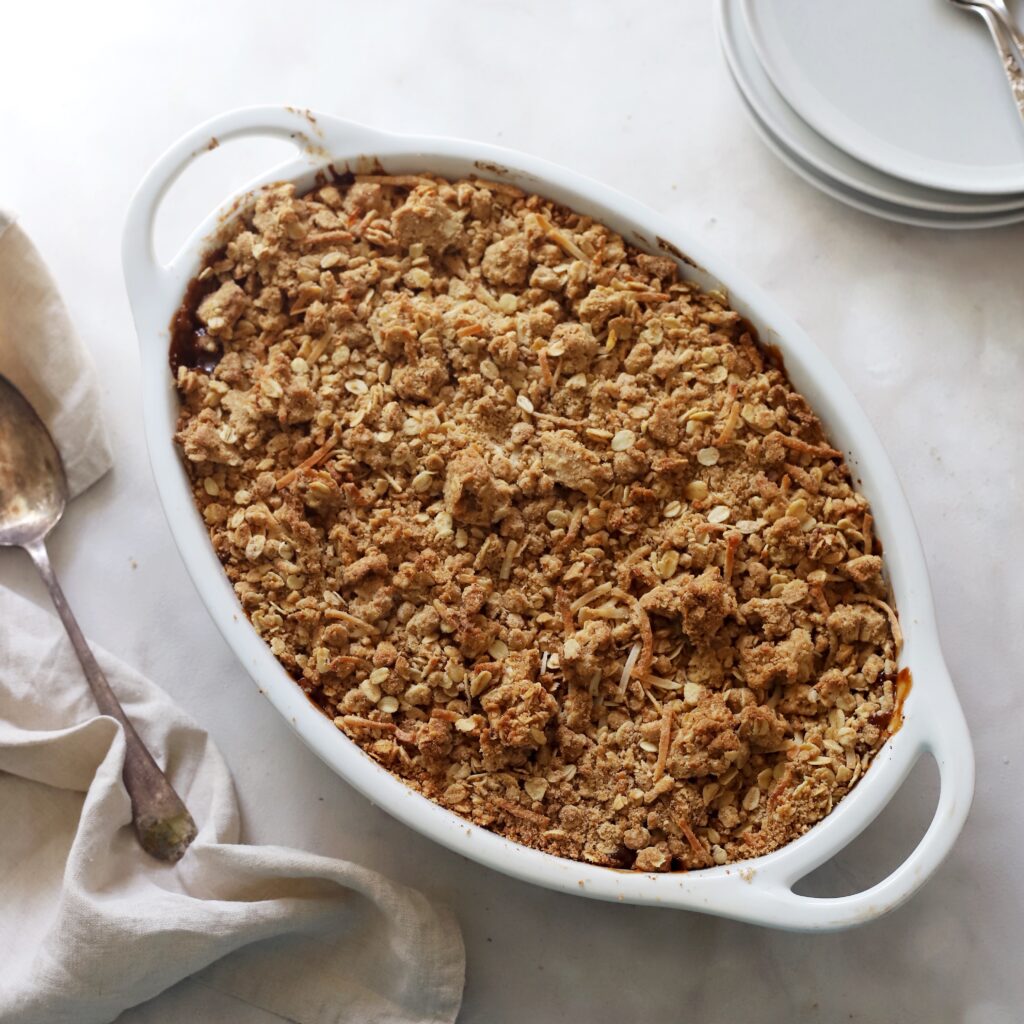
<point>536,522</point>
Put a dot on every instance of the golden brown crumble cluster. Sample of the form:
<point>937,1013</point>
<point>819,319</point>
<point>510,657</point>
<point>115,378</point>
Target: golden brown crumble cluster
<point>541,526</point>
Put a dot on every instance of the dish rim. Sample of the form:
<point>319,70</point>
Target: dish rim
<point>757,891</point>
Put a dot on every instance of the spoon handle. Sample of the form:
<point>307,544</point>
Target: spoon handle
<point>162,822</point>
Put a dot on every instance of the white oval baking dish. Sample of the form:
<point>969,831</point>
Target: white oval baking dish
<point>758,891</point>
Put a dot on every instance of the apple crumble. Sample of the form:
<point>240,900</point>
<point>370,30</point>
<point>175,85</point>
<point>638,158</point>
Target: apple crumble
<point>536,521</point>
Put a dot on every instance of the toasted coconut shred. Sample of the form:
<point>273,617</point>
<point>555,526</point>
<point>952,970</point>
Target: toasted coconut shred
<point>627,668</point>
<point>538,523</point>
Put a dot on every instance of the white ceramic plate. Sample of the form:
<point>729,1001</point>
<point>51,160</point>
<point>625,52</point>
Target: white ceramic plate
<point>817,153</point>
<point>866,204</point>
<point>758,890</point>
<point>914,88</point>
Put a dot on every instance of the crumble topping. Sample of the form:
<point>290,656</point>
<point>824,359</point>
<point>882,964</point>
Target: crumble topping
<point>540,525</point>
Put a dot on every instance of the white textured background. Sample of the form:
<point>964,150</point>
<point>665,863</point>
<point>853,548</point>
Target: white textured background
<point>927,327</point>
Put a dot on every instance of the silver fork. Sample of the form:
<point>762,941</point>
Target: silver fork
<point>1003,14</point>
<point>1009,42</point>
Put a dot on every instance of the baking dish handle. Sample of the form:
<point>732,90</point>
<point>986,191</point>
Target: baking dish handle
<point>314,136</point>
<point>938,728</point>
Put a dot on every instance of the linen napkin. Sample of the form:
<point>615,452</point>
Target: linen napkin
<point>89,924</point>
<point>42,356</point>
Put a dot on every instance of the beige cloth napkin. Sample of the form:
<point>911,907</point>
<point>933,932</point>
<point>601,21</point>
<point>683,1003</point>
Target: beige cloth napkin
<point>41,355</point>
<point>89,924</point>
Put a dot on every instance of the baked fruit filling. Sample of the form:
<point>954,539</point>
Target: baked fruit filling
<point>536,521</point>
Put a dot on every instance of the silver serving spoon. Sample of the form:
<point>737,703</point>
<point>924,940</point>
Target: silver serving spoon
<point>1008,38</point>
<point>33,492</point>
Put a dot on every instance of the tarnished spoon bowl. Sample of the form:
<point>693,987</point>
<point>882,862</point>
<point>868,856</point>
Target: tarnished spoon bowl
<point>33,487</point>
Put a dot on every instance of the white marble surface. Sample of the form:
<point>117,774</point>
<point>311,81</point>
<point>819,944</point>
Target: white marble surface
<point>925,326</point>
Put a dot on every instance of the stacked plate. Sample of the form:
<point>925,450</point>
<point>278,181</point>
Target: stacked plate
<point>900,108</point>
